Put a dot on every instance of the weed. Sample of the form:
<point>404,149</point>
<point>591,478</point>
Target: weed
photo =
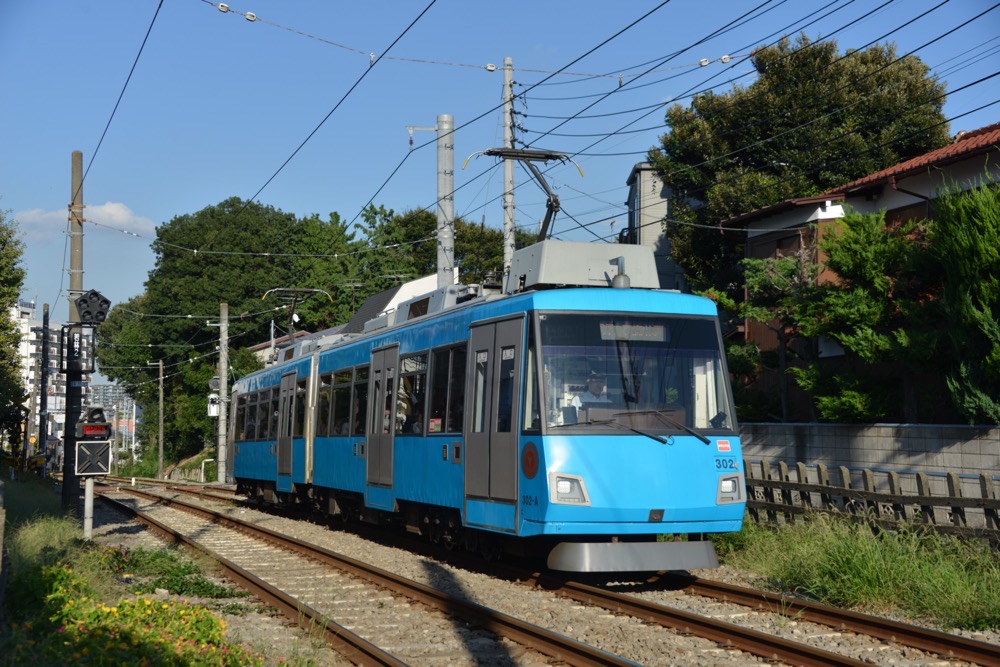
<point>920,573</point>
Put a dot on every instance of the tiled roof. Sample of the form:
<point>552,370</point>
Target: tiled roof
<point>966,145</point>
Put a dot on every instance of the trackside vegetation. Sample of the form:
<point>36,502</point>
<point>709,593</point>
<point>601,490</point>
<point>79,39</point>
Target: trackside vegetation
<point>921,574</point>
<point>75,602</point>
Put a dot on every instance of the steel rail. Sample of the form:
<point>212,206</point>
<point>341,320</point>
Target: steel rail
<point>537,638</point>
<point>350,645</point>
<point>948,646</point>
<point>726,635</point>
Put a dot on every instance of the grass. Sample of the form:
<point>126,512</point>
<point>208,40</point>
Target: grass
<point>30,497</point>
<point>70,601</point>
<point>922,574</point>
<point>73,602</point>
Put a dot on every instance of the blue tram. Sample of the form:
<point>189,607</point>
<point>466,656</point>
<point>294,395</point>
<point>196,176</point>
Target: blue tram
<point>582,414</point>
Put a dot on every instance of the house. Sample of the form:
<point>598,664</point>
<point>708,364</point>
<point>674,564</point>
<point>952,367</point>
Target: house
<point>648,206</point>
<point>904,191</point>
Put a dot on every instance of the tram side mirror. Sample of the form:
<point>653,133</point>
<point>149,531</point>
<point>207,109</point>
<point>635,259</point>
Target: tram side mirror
<point>569,415</point>
<point>718,420</point>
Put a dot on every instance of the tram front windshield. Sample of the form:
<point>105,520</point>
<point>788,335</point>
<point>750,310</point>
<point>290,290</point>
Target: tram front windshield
<point>660,374</point>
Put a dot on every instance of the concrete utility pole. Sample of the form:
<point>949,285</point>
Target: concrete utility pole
<point>74,355</point>
<point>221,456</point>
<point>508,166</point>
<point>445,196</point>
<point>446,200</point>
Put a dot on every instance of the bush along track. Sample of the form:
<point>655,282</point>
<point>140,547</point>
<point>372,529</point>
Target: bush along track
<point>56,617</point>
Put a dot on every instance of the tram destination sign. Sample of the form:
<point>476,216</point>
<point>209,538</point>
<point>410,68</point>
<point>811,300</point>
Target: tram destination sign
<point>639,332</point>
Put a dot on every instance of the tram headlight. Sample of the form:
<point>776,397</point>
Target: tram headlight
<point>730,489</point>
<point>567,489</point>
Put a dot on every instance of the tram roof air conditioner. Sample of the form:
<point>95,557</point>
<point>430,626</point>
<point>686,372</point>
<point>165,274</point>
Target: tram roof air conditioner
<point>576,264</point>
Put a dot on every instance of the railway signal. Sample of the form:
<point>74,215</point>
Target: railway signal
<point>93,307</point>
<point>93,425</point>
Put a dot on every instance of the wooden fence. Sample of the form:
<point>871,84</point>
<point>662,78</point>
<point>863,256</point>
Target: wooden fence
<point>779,492</point>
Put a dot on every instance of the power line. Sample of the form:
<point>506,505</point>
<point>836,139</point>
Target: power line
<point>343,98</point>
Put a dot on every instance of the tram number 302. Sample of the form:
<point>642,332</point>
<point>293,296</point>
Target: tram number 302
<point>726,464</point>
<point>529,501</point>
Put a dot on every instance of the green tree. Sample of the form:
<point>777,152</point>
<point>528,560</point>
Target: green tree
<point>879,312</point>
<point>779,289</point>
<point>478,250</point>
<point>965,246</point>
<point>233,253</point>
<point>813,119</point>
<point>327,264</point>
<point>11,282</point>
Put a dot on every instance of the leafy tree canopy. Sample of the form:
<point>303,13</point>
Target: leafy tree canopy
<point>235,253</point>
<point>11,281</point>
<point>813,119</point>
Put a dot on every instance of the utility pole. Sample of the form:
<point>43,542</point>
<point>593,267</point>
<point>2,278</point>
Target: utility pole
<point>159,464</point>
<point>508,166</point>
<point>221,456</point>
<point>445,196</point>
<point>446,200</point>
<point>43,388</point>
<point>74,357</point>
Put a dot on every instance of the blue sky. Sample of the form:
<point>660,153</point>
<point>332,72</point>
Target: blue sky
<point>217,103</point>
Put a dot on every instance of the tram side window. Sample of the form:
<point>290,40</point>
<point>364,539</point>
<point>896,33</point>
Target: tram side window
<point>272,414</point>
<point>411,394</point>
<point>259,426</point>
<point>250,426</point>
<point>532,413</point>
<point>240,421</point>
<point>480,408</point>
<point>391,411</point>
<point>447,384</point>
<point>298,428</point>
<point>323,406</point>
<point>505,390</point>
<point>341,403</point>
<point>456,389</point>
<point>360,408</point>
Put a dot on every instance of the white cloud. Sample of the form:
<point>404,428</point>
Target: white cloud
<point>119,216</point>
<point>39,225</point>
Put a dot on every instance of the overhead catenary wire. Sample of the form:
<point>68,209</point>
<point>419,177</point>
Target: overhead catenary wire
<point>677,98</point>
<point>107,126</point>
<point>964,23</point>
<point>870,149</point>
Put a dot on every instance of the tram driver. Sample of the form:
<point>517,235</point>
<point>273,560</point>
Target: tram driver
<point>595,392</point>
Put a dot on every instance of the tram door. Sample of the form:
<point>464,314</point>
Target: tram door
<point>382,417</point>
<point>285,417</point>
<point>492,407</point>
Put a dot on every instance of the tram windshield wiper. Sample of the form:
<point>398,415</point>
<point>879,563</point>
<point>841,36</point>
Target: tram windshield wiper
<point>612,422</point>
<point>670,421</point>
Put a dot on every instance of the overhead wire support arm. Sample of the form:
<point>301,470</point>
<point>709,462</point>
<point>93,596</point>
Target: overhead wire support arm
<point>528,156</point>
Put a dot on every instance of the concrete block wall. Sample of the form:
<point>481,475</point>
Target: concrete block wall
<point>904,448</point>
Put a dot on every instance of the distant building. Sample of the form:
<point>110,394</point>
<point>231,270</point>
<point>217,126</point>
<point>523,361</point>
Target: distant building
<point>120,410</point>
<point>30,348</point>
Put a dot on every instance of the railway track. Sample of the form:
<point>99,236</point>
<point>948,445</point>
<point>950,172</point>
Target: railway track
<point>728,637</point>
<point>284,572</point>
